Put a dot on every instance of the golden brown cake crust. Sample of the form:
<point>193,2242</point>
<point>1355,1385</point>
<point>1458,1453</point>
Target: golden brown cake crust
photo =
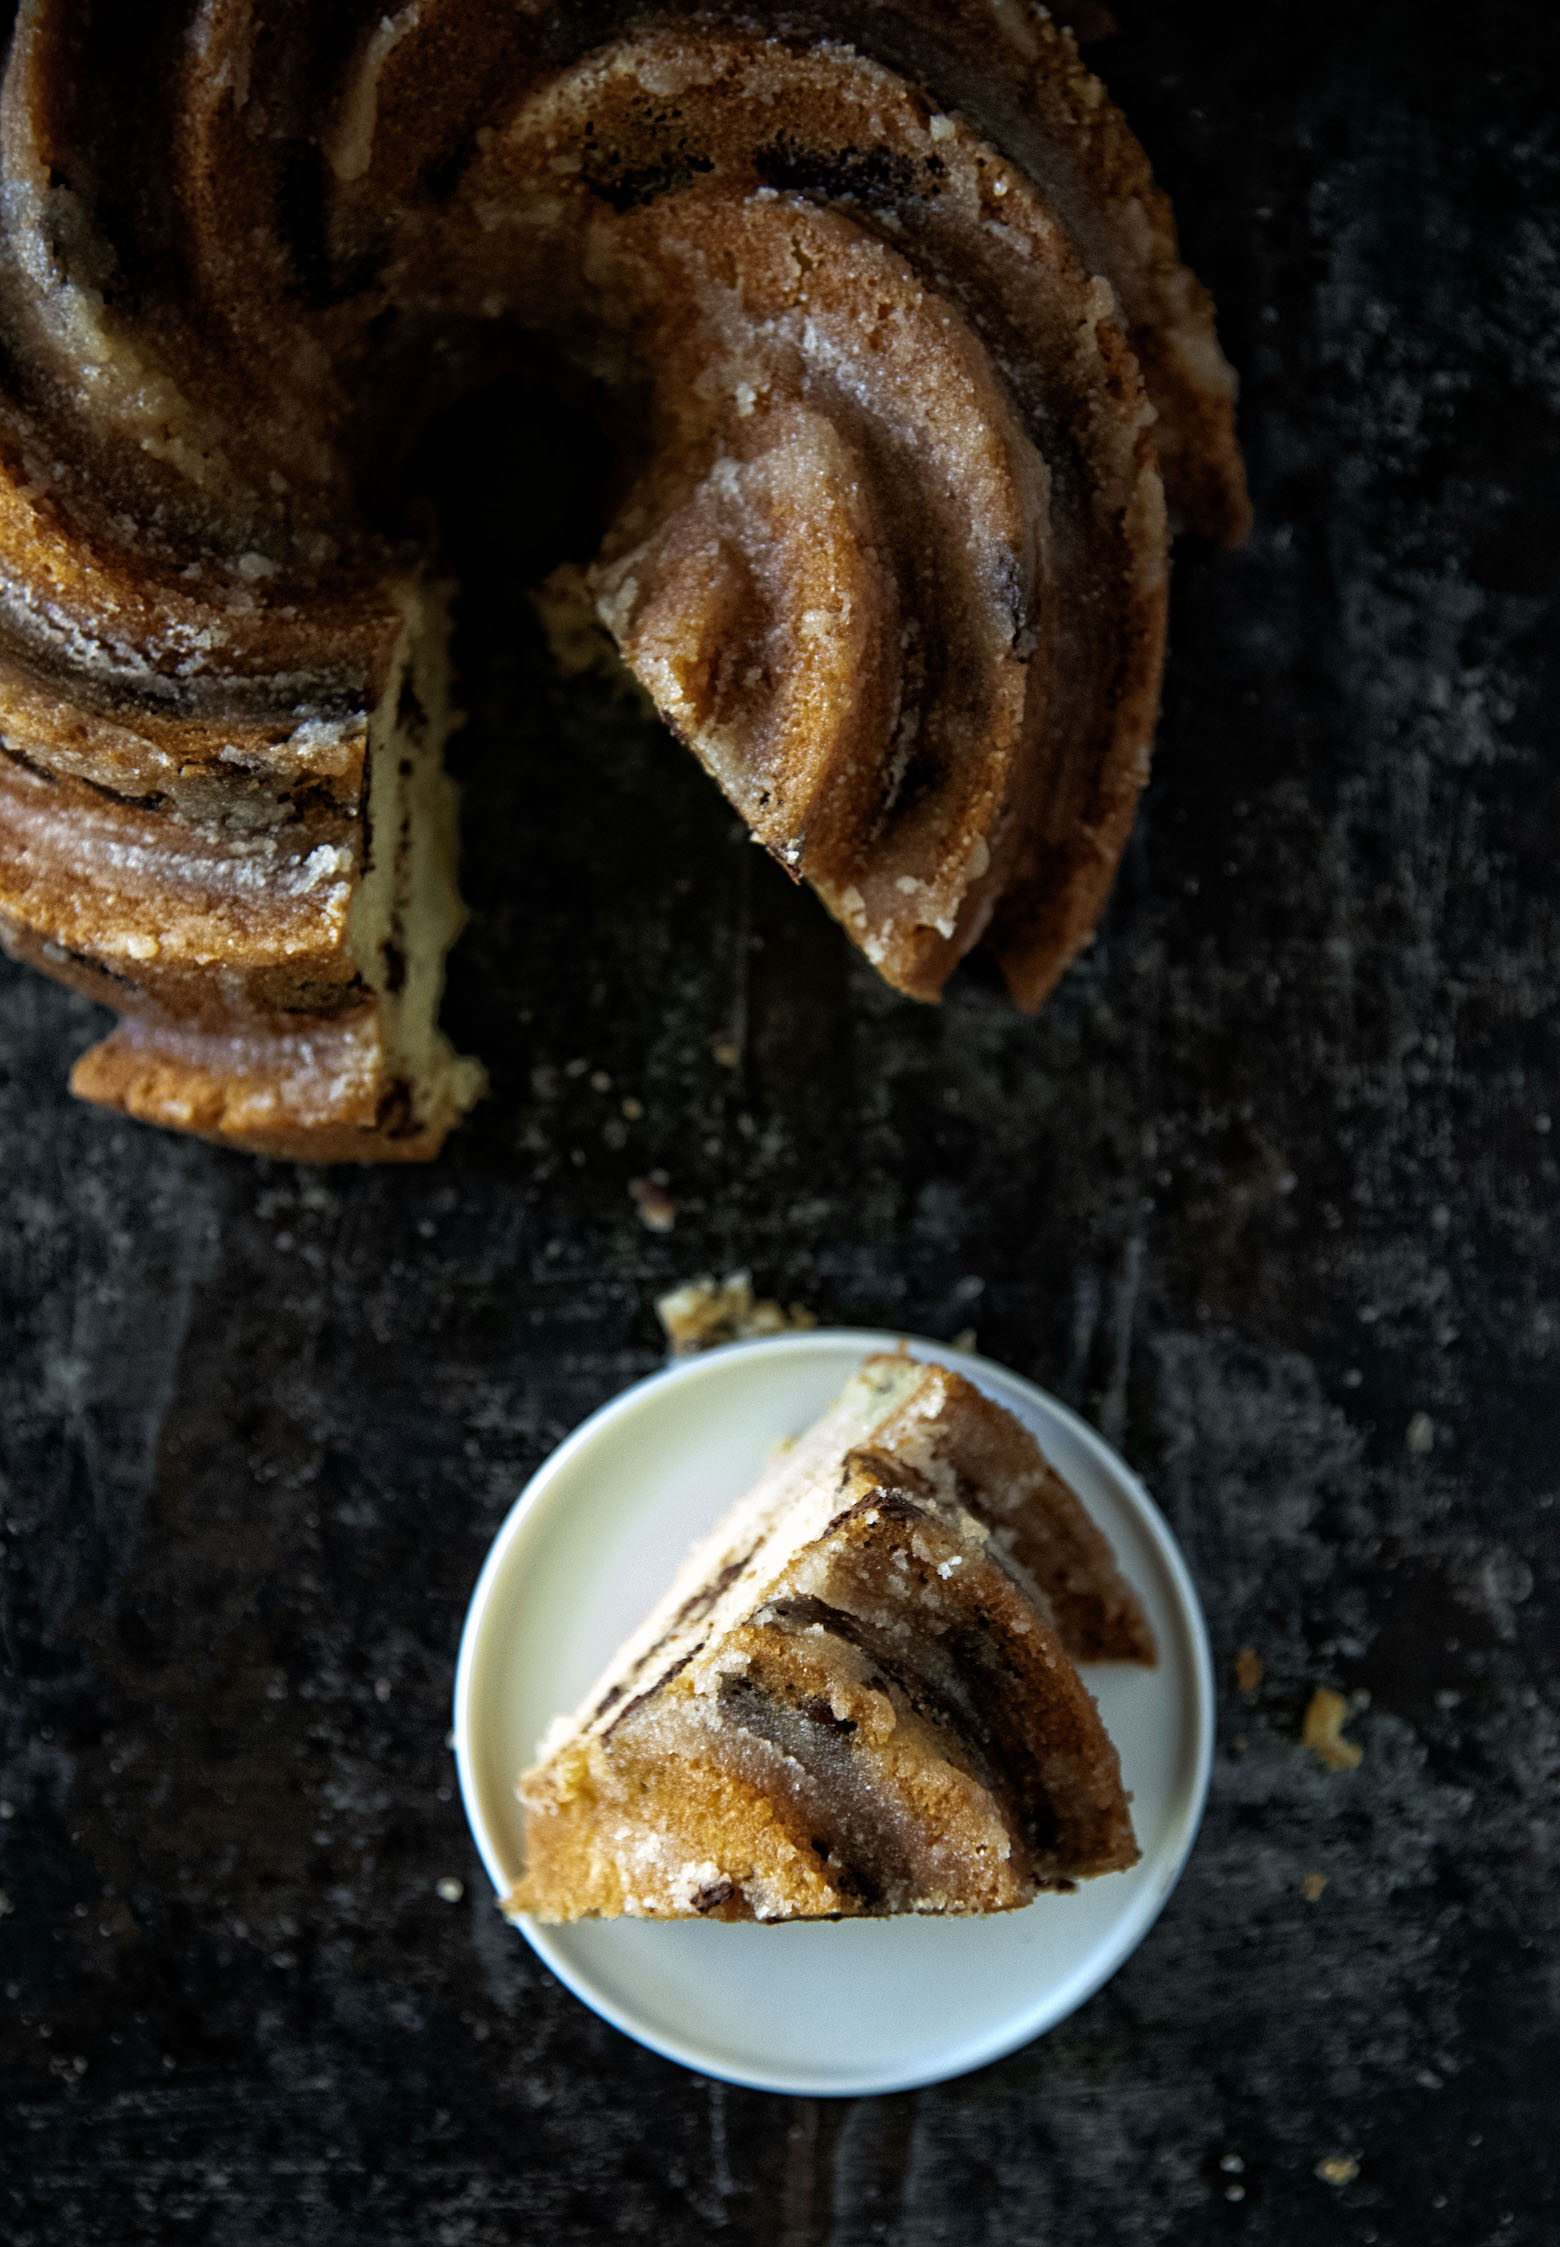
<point>325,1103</point>
<point>1000,1473</point>
<point>856,1700</point>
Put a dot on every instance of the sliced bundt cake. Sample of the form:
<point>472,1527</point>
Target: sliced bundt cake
<point>911,386</point>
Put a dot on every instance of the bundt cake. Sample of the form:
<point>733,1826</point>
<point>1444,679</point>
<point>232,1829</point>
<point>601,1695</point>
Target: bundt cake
<point>882,310</point>
<point>859,1696</point>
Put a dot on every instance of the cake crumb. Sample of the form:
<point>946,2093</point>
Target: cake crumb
<point>577,639</point>
<point>1322,1730</point>
<point>1337,2169</point>
<point>657,1210</point>
<point>1248,1669</point>
<point>704,1313</point>
<point>1312,1885</point>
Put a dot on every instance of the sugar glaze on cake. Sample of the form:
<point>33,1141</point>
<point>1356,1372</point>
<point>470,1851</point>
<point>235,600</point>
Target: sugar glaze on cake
<point>859,1697</point>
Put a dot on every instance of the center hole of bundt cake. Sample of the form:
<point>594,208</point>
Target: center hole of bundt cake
<point>512,479</point>
<point>608,886</point>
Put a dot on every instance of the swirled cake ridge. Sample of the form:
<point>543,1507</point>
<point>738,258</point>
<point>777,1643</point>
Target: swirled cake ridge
<point>911,386</point>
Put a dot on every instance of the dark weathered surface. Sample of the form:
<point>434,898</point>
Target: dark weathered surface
<point>1270,1179</point>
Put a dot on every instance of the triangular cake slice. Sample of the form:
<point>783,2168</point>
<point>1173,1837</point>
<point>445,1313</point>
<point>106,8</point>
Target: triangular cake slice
<point>859,1697</point>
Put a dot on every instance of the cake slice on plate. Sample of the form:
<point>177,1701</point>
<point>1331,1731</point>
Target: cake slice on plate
<point>859,1697</point>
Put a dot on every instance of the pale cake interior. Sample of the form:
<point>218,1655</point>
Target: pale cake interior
<point>407,910</point>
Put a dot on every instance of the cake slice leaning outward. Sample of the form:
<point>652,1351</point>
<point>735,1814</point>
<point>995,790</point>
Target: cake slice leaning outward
<point>859,1696</point>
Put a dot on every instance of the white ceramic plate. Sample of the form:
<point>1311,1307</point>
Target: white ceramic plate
<point>832,2008</point>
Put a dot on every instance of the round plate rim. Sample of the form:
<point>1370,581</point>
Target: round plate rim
<point>1124,1935</point>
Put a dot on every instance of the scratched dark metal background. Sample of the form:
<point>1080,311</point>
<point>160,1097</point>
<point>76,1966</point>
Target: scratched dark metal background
<point>1269,1191</point>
